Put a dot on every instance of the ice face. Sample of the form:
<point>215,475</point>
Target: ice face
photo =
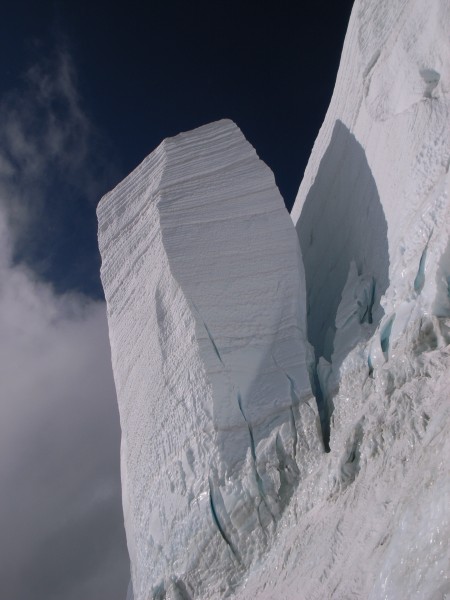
<point>343,234</point>
<point>204,284</point>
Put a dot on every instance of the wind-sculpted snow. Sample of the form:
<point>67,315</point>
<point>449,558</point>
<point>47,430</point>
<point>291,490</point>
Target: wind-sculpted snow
<point>206,306</point>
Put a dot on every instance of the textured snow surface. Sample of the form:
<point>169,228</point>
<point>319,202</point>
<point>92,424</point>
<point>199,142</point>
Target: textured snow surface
<point>206,306</point>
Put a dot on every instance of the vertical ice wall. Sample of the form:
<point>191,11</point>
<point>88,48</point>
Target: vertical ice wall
<point>373,206</point>
<point>206,306</point>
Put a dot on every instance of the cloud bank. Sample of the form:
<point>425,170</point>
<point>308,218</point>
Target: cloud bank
<point>60,514</point>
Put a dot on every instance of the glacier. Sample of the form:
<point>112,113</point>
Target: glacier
<point>229,320</point>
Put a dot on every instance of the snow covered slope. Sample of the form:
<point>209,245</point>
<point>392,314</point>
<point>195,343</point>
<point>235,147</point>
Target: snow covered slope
<point>206,306</point>
<point>373,220</point>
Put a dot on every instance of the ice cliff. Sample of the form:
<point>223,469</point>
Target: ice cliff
<point>224,323</point>
<point>206,305</point>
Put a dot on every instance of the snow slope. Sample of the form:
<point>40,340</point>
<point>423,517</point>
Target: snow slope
<point>206,307</point>
<point>373,220</point>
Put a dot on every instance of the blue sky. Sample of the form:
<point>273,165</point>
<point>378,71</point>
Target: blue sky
<point>87,91</point>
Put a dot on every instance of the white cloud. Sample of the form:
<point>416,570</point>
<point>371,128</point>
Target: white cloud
<point>60,514</point>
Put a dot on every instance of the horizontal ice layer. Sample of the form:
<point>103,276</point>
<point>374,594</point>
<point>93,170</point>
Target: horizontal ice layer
<point>206,307</point>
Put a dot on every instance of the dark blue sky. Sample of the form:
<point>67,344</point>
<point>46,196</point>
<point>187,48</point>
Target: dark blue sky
<point>148,70</point>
